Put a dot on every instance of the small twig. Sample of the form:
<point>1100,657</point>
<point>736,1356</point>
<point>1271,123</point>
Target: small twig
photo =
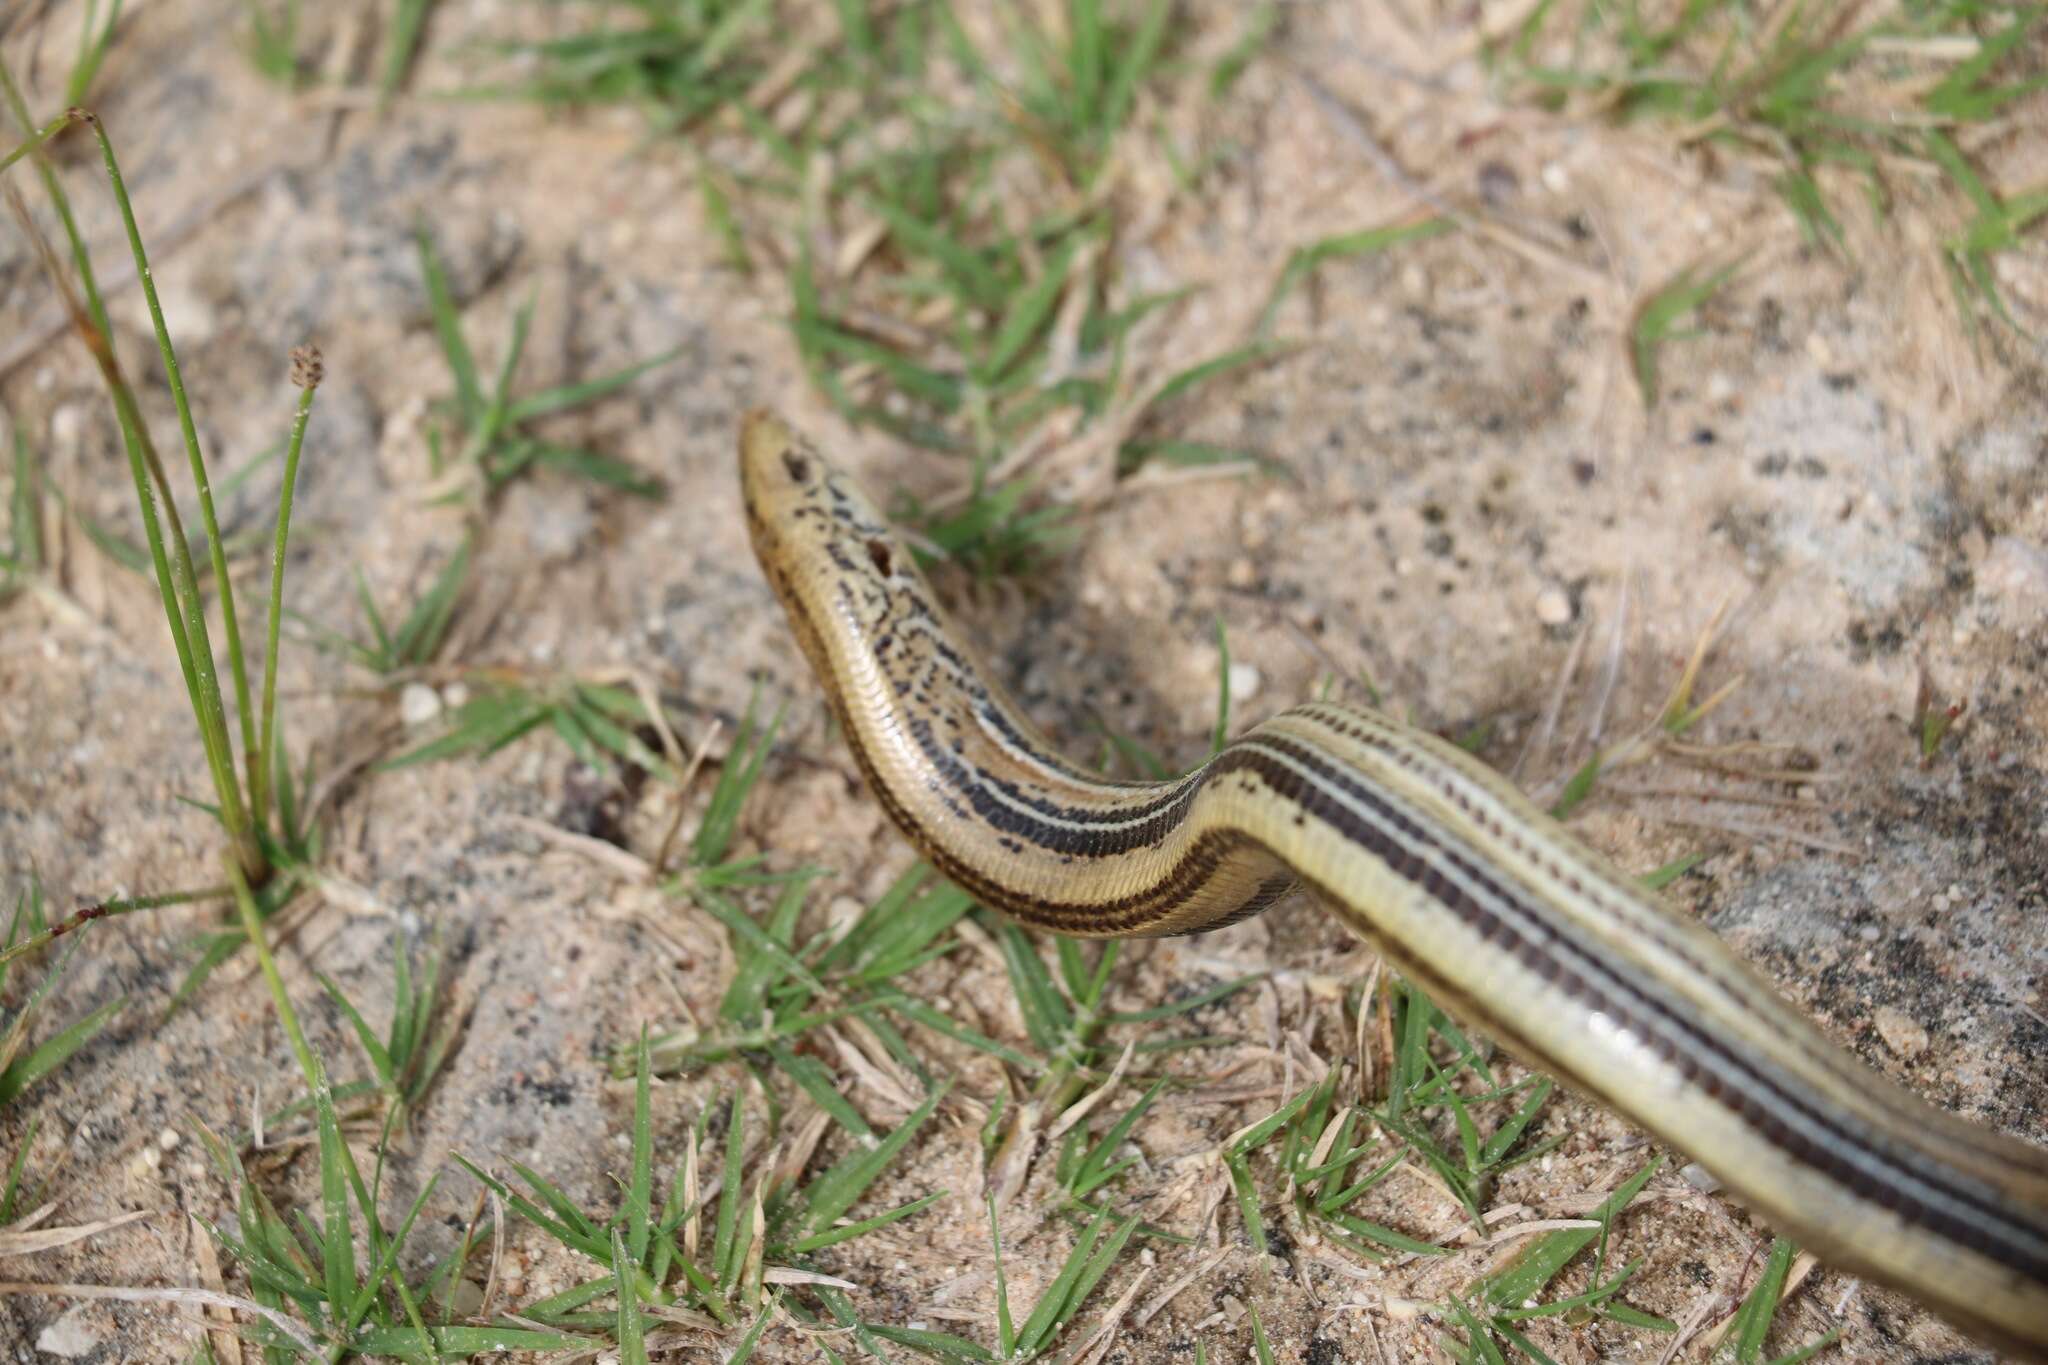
<point>1690,1326</point>
<point>1610,675</point>
<point>622,861</point>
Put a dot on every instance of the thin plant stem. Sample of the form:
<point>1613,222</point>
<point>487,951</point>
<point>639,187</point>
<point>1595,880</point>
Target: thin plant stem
<point>252,925</point>
<point>85,915</point>
<point>175,587</point>
<point>176,579</point>
<point>177,591</point>
<point>36,139</point>
<point>237,821</point>
<point>95,304</point>
<point>305,372</point>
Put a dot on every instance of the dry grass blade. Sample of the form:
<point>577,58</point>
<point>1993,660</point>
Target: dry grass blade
<point>1174,1287</point>
<point>219,1321</point>
<point>203,1297</point>
<point>27,1242</point>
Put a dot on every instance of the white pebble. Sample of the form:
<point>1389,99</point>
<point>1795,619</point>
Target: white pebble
<point>418,704</point>
<point>68,1336</point>
<point>1553,607</point>
<point>1700,1178</point>
<point>1900,1032</point>
<point>1244,681</point>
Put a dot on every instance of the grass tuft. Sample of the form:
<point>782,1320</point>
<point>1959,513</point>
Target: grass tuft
<point>968,161</point>
<point>252,798</point>
<point>1818,90</point>
<point>493,447</point>
<point>272,36</point>
<point>22,1066</point>
<point>1656,322</point>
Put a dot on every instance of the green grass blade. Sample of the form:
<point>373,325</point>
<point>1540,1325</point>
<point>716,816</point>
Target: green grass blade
<point>379,1055</point>
<point>1046,1017</point>
<point>589,391</point>
<point>833,1193</point>
<point>401,46</point>
<point>1760,1306</point>
<point>426,625</point>
<point>1657,320</point>
<point>263,760</point>
<point>24,1072</point>
<point>1537,1264</point>
<point>640,1193</point>
<point>337,1251</point>
<point>818,1241</point>
<point>724,1244</point>
<point>736,778</point>
<point>448,327</point>
<point>1140,52</point>
<point>1028,314</point>
<point>25,512</point>
<point>1305,260</point>
<point>10,1196</point>
<point>632,1336</point>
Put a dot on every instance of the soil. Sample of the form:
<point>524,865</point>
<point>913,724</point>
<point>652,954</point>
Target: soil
<point>1478,512</point>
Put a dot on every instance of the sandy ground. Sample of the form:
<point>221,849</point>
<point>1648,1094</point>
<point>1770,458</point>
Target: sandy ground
<point>1475,490</point>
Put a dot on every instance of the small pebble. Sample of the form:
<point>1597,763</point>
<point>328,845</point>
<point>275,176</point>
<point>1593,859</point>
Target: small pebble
<point>1900,1032</point>
<point>67,427</point>
<point>1244,681</point>
<point>69,1336</point>
<point>1498,183</point>
<point>1553,607</point>
<point>418,704</point>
